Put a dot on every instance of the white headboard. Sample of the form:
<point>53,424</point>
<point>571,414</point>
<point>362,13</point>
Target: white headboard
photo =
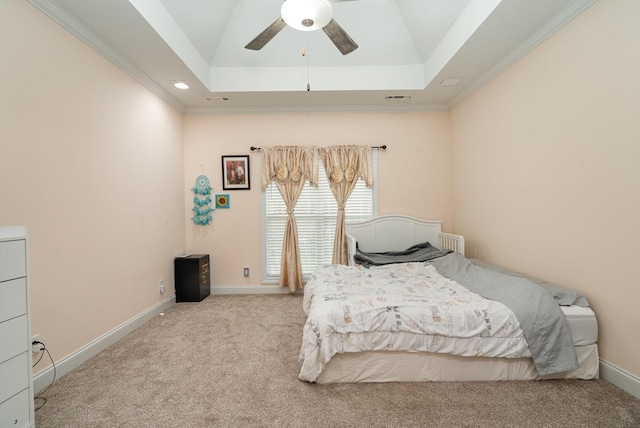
<point>399,232</point>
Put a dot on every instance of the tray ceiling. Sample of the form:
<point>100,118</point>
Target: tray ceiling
<point>412,54</point>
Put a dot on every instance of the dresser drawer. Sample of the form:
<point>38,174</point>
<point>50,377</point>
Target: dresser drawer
<point>14,334</point>
<point>15,411</point>
<point>12,260</point>
<point>15,376</point>
<point>13,298</point>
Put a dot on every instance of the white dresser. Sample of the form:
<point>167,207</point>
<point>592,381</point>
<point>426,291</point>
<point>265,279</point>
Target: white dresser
<point>16,379</point>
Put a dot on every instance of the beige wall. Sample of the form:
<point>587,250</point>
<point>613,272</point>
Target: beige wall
<point>93,163</point>
<point>543,158</point>
<point>546,178</point>
<point>414,173</point>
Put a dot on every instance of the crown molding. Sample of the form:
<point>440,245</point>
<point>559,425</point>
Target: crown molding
<point>557,22</point>
<point>319,109</point>
<point>72,25</point>
<point>80,31</point>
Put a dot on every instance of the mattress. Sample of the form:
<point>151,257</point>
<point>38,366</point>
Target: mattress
<point>353,364</point>
<point>353,310</point>
<point>383,366</point>
<point>401,366</point>
<point>582,324</point>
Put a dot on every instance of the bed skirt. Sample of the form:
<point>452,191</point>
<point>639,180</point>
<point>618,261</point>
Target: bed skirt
<point>401,366</point>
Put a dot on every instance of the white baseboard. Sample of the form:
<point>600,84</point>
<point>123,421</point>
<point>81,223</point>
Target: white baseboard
<point>251,289</point>
<point>43,379</point>
<point>609,372</point>
<point>620,378</point>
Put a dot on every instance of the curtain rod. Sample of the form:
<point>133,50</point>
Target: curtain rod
<point>383,147</point>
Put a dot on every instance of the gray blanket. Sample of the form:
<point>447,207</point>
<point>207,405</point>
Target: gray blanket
<point>418,253</point>
<point>562,295</point>
<point>542,321</point>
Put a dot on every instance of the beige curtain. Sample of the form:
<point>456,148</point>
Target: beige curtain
<point>344,165</point>
<point>290,167</point>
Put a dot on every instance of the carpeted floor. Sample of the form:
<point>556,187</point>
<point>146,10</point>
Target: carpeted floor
<point>231,361</point>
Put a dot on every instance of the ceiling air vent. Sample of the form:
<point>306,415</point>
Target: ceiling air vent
<point>397,97</point>
<point>451,81</point>
<point>215,98</point>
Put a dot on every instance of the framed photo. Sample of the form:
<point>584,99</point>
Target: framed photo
<point>222,201</point>
<point>235,172</point>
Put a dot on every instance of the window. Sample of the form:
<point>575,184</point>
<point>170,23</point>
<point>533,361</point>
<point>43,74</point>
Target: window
<point>316,213</point>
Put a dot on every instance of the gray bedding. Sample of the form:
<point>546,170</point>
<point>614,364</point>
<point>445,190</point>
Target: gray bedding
<point>543,322</point>
<point>535,303</point>
<point>563,296</point>
<point>417,253</point>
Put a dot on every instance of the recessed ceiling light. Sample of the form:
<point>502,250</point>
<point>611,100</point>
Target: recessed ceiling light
<point>181,85</point>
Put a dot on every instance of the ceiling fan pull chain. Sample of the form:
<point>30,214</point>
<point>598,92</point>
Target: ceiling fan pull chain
<point>304,53</point>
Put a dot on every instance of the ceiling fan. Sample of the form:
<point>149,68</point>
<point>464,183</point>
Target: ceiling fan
<point>307,15</point>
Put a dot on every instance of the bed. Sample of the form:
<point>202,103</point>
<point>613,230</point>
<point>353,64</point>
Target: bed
<point>400,313</point>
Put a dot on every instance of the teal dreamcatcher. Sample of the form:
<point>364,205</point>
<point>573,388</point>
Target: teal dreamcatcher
<point>201,200</point>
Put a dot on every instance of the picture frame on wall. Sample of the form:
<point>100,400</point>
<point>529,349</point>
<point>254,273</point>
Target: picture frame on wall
<point>235,172</point>
<point>222,201</point>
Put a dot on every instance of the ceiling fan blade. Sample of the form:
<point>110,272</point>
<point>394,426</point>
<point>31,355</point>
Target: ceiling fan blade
<point>268,34</point>
<point>339,37</point>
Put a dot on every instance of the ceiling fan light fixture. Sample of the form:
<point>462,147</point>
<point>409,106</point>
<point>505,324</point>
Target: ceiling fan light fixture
<point>306,15</point>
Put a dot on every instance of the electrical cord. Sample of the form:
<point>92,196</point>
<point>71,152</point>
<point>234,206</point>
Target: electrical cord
<point>42,351</point>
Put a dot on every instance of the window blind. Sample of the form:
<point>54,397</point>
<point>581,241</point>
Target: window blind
<point>316,214</point>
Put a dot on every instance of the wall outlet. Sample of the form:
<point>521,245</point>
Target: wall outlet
<point>37,347</point>
<point>161,286</point>
<point>246,271</point>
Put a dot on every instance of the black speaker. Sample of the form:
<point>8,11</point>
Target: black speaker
<point>192,277</point>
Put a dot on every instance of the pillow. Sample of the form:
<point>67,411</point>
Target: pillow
<point>351,249</point>
<point>563,296</point>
